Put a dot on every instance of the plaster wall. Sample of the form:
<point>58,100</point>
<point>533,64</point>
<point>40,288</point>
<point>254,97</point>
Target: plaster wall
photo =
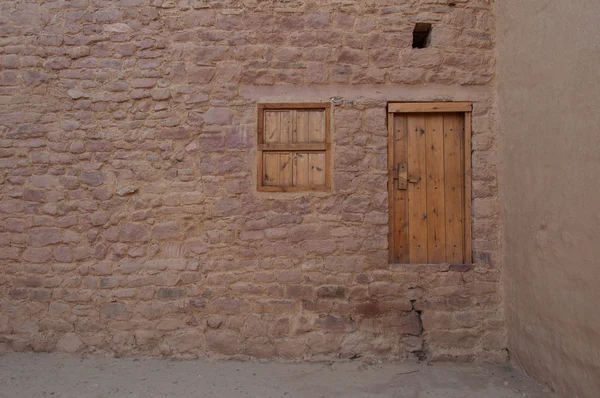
<point>549,90</point>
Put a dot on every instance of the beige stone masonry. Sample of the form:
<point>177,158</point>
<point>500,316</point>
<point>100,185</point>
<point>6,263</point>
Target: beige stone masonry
<point>130,222</point>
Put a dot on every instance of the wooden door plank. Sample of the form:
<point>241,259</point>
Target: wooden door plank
<point>417,190</point>
<point>454,174</point>
<point>400,246</point>
<point>271,168</point>
<point>328,143</point>
<point>300,172</point>
<point>436,221</point>
<point>316,126</point>
<point>316,164</point>
<point>391,196</point>
<point>468,194</point>
<point>301,131</point>
<point>271,128</point>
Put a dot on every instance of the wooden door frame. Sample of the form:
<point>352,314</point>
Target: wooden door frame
<point>465,108</point>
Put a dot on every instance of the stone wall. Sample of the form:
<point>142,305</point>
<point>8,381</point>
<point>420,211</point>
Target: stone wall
<point>131,223</point>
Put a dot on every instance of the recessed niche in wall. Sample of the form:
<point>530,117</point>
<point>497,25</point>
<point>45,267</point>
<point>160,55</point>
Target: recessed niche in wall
<point>421,35</point>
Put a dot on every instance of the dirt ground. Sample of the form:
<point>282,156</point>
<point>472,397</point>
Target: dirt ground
<point>48,375</point>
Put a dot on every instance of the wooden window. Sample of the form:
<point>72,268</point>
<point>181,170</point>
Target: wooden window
<point>294,147</point>
<point>429,164</point>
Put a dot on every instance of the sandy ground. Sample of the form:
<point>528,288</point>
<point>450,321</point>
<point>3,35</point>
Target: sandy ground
<point>49,375</point>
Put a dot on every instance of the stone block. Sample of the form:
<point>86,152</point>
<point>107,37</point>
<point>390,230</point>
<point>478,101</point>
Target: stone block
<point>223,341</point>
<point>63,254</point>
<point>93,178</point>
<point>115,311</point>
<point>218,116</point>
<point>44,181</point>
<point>332,291</point>
<point>34,195</point>
<point>69,343</point>
<point>133,232</point>
<point>165,230</point>
<point>404,323</point>
<point>40,237</point>
<point>317,20</point>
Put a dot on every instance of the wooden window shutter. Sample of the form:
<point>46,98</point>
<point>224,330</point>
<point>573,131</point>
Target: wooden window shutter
<point>293,147</point>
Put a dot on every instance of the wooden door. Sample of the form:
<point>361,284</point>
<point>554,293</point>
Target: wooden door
<point>429,184</point>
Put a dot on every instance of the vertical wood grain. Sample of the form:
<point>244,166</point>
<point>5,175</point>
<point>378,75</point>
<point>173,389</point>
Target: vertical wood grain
<point>328,166</point>
<point>302,121</point>
<point>454,191</point>
<point>468,190</point>
<point>391,198</point>
<point>400,198</point>
<point>436,221</point>
<point>285,169</point>
<point>316,126</point>
<point>417,190</point>
<point>285,127</point>
<point>316,165</point>
<point>271,127</point>
<point>301,173</point>
<point>271,168</point>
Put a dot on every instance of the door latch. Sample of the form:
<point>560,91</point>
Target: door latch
<point>414,178</point>
<point>402,176</point>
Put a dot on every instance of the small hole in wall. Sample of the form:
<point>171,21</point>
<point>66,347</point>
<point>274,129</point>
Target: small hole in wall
<point>421,35</point>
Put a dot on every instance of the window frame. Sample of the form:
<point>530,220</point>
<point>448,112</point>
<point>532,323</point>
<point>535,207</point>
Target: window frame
<point>293,147</point>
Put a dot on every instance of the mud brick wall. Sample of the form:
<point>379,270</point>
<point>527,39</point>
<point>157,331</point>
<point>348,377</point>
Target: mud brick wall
<point>129,217</point>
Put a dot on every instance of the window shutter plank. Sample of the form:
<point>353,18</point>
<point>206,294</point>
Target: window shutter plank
<point>316,126</point>
<point>285,169</point>
<point>271,168</point>
<point>316,164</point>
<point>271,127</point>
<point>302,121</point>
<point>301,174</point>
<point>285,132</point>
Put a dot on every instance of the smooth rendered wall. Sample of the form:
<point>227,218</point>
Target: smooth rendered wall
<point>549,99</point>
